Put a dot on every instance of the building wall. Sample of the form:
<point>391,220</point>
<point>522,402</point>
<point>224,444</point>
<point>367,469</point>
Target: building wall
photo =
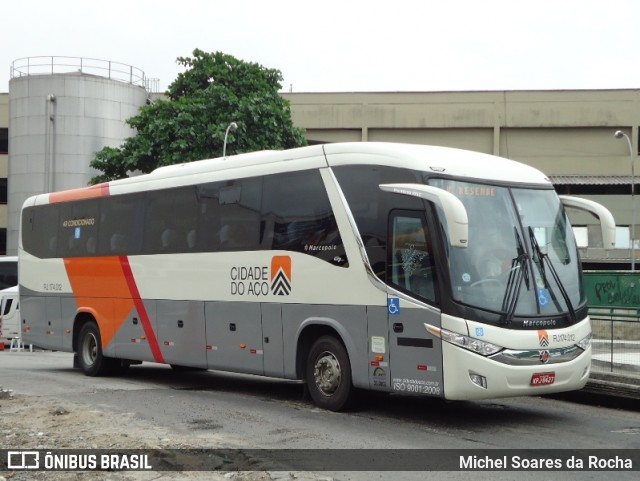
<point>559,132</point>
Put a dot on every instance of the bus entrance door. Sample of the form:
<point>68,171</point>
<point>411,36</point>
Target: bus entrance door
<point>415,356</point>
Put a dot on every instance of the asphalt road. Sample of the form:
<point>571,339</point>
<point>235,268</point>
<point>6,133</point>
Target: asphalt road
<point>239,411</point>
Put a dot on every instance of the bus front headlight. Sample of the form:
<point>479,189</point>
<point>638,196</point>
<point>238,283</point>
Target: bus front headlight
<point>472,344</point>
<point>585,342</point>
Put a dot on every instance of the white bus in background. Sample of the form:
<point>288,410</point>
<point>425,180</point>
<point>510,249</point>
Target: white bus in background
<point>9,315</point>
<point>9,322</point>
<point>387,267</point>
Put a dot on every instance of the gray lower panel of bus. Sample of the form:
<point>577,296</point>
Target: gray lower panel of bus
<point>414,356</point>
<point>387,352</point>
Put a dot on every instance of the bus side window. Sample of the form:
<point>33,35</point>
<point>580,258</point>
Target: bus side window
<point>7,307</point>
<point>411,267</point>
<point>170,221</point>
<point>78,222</point>
<point>41,223</point>
<point>121,225</point>
<point>297,212</point>
<point>370,206</point>
<point>229,215</point>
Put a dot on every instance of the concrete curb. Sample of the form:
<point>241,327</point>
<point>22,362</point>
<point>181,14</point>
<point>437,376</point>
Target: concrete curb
<point>617,385</point>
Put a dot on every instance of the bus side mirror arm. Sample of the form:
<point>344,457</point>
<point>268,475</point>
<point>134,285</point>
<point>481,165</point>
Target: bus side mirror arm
<point>607,222</point>
<point>453,208</point>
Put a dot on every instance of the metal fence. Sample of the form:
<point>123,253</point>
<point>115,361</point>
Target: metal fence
<point>614,308</point>
<point>616,348</point>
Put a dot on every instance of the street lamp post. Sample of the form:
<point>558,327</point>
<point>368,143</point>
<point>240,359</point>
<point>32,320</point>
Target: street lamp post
<point>618,135</point>
<point>232,127</point>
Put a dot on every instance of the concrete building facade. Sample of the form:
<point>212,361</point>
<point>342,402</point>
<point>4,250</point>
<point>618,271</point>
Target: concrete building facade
<point>569,135</point>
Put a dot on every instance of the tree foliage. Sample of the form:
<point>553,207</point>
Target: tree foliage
<point>214,90</point>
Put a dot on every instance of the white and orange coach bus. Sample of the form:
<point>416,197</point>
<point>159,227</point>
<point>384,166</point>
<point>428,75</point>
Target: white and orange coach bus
<point>388,267</point>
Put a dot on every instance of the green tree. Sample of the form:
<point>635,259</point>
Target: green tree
<point>214,90</point>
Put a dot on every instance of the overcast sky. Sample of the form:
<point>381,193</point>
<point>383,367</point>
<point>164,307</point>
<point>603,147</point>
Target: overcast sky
<point>347,45</point>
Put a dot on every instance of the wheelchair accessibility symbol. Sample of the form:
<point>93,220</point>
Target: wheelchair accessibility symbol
<point>393,304</point>
<point>543,297</point>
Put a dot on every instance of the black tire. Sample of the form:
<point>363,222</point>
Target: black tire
<point>328,374</point>
<point>118,367</point>
<point>90,357</point>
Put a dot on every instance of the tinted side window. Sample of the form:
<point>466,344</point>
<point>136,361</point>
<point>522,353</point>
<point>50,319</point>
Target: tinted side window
<point>78,229</point>
<point>230,215</point>
<point>7,306</point>
<point>121,225</point>
<point>170,220</point>
<point>281,212</point>
<point>40,230</point>
<point>297,216</point>
<point>371,207</point>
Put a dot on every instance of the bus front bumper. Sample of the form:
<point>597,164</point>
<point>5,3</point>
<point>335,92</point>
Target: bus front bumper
<point>469,376</point>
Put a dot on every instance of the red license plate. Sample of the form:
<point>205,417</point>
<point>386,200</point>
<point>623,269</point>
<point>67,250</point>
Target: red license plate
<point>543,378</point>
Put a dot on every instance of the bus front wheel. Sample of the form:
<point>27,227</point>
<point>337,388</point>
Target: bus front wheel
<point>328,374</point>
<point>90,357</point>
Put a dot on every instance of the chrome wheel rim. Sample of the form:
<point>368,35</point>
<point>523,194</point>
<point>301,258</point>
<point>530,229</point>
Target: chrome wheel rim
<point>327,373</point>
<point>89,349</point>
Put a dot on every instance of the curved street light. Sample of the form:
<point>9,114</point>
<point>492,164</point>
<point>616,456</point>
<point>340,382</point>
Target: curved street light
<point>231,127</point>
<point>618,135</point>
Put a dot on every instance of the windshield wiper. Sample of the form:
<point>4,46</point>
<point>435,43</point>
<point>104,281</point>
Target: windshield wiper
<point>544,259</point>
<point>518,272</point>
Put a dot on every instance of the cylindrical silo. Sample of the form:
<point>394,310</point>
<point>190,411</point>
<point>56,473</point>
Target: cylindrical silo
<point>62,110</point>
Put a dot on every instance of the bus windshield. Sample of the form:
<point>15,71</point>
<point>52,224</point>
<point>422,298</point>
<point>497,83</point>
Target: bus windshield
<point>521,259</point>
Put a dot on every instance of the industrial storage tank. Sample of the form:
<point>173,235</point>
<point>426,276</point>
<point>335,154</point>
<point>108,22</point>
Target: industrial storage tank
<point>62,110</point>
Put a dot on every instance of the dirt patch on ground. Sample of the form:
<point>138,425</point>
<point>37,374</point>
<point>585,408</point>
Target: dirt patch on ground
<point>30,422</point>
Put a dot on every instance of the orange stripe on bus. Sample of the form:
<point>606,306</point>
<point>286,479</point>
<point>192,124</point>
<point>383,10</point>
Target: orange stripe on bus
<point>100,286</point>
<point>100,190</point>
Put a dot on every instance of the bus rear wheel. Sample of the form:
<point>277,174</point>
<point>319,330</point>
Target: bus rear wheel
<point>328,374</point>
<point>90,356</point>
